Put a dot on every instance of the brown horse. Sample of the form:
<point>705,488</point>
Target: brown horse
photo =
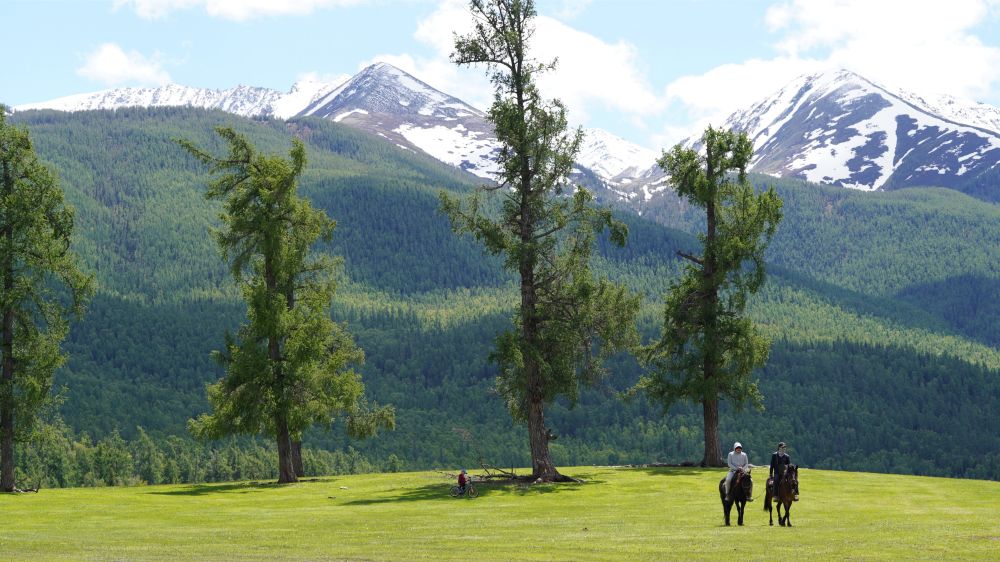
<point>788,492</point>
<point>740,491</point>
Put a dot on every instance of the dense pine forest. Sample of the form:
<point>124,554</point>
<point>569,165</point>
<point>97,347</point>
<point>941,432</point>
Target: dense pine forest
<point>884,309</point>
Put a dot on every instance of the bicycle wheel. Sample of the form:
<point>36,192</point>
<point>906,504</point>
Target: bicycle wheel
<point>455,491</point>
<point>473,492</point>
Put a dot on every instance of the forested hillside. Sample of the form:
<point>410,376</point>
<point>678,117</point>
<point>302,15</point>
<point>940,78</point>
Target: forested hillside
<point>883,307</point>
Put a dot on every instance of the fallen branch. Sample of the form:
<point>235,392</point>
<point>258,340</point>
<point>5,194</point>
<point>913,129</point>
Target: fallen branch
<point>495,473</point>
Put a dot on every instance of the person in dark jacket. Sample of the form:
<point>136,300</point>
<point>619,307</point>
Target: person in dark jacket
<point>779,461</point>
<point>463,480</point>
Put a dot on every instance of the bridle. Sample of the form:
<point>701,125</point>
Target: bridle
<point>741,482</point>
<point>792,477</point>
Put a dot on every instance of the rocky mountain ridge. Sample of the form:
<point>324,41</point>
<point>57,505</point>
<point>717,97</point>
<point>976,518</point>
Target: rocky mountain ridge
<point>836,128</point>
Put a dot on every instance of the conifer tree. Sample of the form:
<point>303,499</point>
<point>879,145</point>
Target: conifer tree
<point>567,321</point>
<point>40,287</point>
<point>708,347</point>
<point>288,367</point>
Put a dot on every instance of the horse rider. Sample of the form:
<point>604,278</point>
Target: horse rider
<point>738,462</point>
<point>779,462</point>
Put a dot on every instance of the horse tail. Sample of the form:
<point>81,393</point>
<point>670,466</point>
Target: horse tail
<point>767,500</point>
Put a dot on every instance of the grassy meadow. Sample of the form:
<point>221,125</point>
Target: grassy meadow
<point>618,514</point>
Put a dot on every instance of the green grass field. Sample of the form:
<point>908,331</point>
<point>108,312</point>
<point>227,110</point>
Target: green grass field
<point>618,514</point>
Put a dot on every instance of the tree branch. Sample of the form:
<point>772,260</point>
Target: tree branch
<point>696,260</point>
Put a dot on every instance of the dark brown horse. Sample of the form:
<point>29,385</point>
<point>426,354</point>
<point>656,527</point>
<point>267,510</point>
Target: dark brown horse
<point>788,492</point>
<point>739,492</point>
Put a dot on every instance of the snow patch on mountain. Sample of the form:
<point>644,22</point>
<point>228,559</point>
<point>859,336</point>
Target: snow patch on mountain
<point>241,100</point>
<point>302,94</point>
<point>958,110</point>
<point>247,101</point>
<point>613,157</point>
<point>341,116</point>
<point>468,150</point>
<point>840,128</point>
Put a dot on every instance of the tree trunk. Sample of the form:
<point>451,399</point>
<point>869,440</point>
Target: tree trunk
<point>286,466</point>
<point>300,470</point>
<point>542,467</point>
<point>713,451</point>
<point>286,470</point>
<point>710,402</point>
<point>541,461</point>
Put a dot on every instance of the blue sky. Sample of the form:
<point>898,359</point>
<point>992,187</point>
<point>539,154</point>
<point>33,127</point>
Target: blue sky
<point>649,71</point>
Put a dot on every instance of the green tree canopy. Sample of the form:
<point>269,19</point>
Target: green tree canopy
<point>567,321</point>
<point>40,287</point>
<point>708,346</point>
<point>289,365</point>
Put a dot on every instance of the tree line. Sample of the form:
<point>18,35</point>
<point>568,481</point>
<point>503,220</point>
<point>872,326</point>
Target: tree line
<point>54,456</point>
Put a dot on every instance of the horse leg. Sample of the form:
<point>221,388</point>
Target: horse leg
<point>740,506</point>
<point>781,520</point>
<point>722,496</point>
<point>788,514</point>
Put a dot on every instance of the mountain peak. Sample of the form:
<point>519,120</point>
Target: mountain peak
<point>383,88</point>
<point>614,157</point>
<point>384,67</point>
<point>840,128</point>
<point>248,101</point>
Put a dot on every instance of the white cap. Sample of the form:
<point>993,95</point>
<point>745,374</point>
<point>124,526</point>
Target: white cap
<point>737,445</point>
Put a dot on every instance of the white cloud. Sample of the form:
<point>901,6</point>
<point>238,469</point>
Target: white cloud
<point>111,65</point>
<point>590,71</point>
<point>572,8</point>
<point>711,97</point>
<point>925,46</point>
<point>236,10</point>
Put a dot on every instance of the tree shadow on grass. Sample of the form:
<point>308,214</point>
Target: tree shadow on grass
<point>231,487</point>
<point>678,470</point>
<point>441,492</point>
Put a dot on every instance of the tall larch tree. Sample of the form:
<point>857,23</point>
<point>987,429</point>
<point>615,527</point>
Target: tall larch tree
<point>289,366</point>
<point>709,348</point>
<point>567,322</point>
<point>41,287</point>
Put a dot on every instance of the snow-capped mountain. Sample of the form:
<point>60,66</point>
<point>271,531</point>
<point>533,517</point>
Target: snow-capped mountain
<point>387,102</point>
<point>954,109</point>
<point>613,157</point>
<point>840,128</point>
<point>390,103</point>
<point>247,101</point>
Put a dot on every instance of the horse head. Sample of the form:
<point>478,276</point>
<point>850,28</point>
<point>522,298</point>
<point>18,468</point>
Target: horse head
<point>792,478</point>
<point>746,483</point>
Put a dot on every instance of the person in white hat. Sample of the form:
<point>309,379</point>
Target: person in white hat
<point>737,461</point>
